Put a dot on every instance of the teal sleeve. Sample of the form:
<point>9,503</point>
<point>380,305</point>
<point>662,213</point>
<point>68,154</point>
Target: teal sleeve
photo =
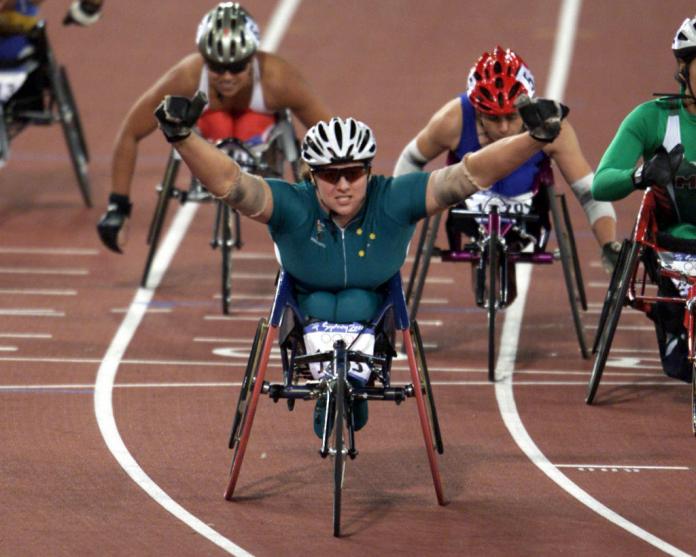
<point>405,197</point>
<point>636,136</point>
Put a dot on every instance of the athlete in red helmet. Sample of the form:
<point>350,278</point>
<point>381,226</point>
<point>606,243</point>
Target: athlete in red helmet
<point>485,114</point>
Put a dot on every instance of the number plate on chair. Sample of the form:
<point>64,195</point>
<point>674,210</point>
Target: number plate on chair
<point>321,336</point>
<point>10,82</point>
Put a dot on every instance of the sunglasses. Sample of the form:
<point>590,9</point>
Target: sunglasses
<point>233,68</point>
<point>334,175</point>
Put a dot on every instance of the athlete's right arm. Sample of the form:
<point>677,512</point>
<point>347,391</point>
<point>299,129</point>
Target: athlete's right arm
<point>440,134</point>
<point>614,177</point>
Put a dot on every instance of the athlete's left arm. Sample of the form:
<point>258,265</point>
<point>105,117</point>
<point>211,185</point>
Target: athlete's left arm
<point>568,156</point>
<point>285,87</point>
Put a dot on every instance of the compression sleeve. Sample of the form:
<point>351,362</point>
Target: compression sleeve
<point>410,160</point>
<point>594,209</point>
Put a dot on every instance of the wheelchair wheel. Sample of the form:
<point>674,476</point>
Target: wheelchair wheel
<point>426,387</point>
<point>611,290</point>
<point>245,396</point>
<point>493,264</point>
<point>562,237</point>
<point>582,296</point>
<point>430,228</point>
<point>693,398</point>
<point>340,365</point>
<point>165,195</point>
<point>226,247</point>
<point>417,259</point>
<point>612,320</point>
<point>72,130</point>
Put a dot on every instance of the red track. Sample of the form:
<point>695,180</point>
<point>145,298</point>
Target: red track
<point>390,63</point>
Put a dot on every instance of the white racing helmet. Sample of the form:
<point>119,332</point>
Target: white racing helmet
<point>684,43</point>
<point>227,34</point>
<point>338,141</point>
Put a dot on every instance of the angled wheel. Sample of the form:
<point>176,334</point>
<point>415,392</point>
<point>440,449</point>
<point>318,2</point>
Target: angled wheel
<point>562,237</point>
<point>426,387</point>
<point>612,319</point>
<point>237,443</point>
<point>693,398</point>
<point>425,223</point>
<point>430,228</point>
<point>227,244</point>
<point>72,130</point>
<point>166,190</point>
<point>340,363</point>
<point>493,264</point>
<point>611,291</point>
<point>574,254</point>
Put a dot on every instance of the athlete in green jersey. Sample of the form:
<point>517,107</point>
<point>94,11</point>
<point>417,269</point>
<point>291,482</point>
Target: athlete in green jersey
<point>663,133</point>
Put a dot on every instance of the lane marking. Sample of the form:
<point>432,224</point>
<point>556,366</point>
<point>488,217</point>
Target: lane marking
<point>49,251</point>
<point>147,310</point>
<point>38,312</point>
<point>618,467</point>
<point>280,19</point>
<point>560,65</point>
<point>26,335</point>
<point>38,292</point>
<point>8,349</point>
<point>43,271</point>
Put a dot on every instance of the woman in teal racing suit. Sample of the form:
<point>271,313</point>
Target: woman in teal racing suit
<point>342,232</point>
<point>663,133</point>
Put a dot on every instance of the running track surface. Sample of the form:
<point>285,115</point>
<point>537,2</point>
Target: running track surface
<point>390,63</point>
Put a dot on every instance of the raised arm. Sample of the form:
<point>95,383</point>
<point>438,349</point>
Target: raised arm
<point>223,178</point>
<point>481,169</point>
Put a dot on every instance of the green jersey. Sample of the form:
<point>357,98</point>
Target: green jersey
<point>651,124</point>
<point>337,270</point>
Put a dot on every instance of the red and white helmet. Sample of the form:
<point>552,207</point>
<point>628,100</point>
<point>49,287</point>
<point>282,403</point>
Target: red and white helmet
<point>496,80</point>
<point>684,43</point>
<point>338,141</point>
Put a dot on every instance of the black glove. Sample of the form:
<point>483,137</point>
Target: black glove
<point>110,225</point>
<point>177,115</point>
<point>82,12</point>
<point>610,255</point>
<point>542,117</point>
<point>661,169</point>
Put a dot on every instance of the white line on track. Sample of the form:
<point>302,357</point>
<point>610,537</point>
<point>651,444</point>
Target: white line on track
<point>8,349</point>
<point>147,310</point>
<point>32,312</point>
<point>49,251</point>
<point>103,408</point>
<point>616,467</point>
<point>560,65</point>
<point>38,292</point>
<point>42,271</point>
<point>26,335</point>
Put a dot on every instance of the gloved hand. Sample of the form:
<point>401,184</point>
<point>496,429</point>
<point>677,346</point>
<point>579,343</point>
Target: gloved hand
<point>660,170</point>
<point>610,255</point>
<point>82,12</point>
<point>177,115</point>
<point>111,225</point>
<point>542,117</point>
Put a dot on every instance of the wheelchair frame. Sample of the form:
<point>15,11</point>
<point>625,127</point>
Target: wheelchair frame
<point>227,228</point>
<point>492,255</point>
<point>334,386</point>
<point>59,107</point>
<point>632,275</point>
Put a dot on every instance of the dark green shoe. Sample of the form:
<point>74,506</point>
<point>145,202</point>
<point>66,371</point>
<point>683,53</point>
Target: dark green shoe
<point>319,416</point>
<point>359,414</point>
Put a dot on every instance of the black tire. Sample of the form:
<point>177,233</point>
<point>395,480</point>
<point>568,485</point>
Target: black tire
<point>427,388</point>
<point>567,264</point>
<point>493,264</point>
<point>72,130</point>
<point>340,365</point>
<point>612,320</point>
<point>693,398</point>
<point>425,223</point>
<point>165,195</point>
<point>611,291</point>
<point>226,247</point>
<point>431,226</point>
<point>579,282</point>
<point>250,373</point>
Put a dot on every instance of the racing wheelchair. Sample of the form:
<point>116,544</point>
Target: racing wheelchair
<point>651,258</point>
<point>504,231</point>
<point>34,89</point>
<point>267,159</point>
<point>301,382</point>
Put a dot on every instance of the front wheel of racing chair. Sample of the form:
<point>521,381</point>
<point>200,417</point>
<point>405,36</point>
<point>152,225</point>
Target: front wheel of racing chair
<point>227,237</point>
<point>569,262</point>
<point>340,365</point>
<point>611,312</point>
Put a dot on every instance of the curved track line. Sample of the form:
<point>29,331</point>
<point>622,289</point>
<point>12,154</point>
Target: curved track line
<point>106,375</point>
<point>505,365</point>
